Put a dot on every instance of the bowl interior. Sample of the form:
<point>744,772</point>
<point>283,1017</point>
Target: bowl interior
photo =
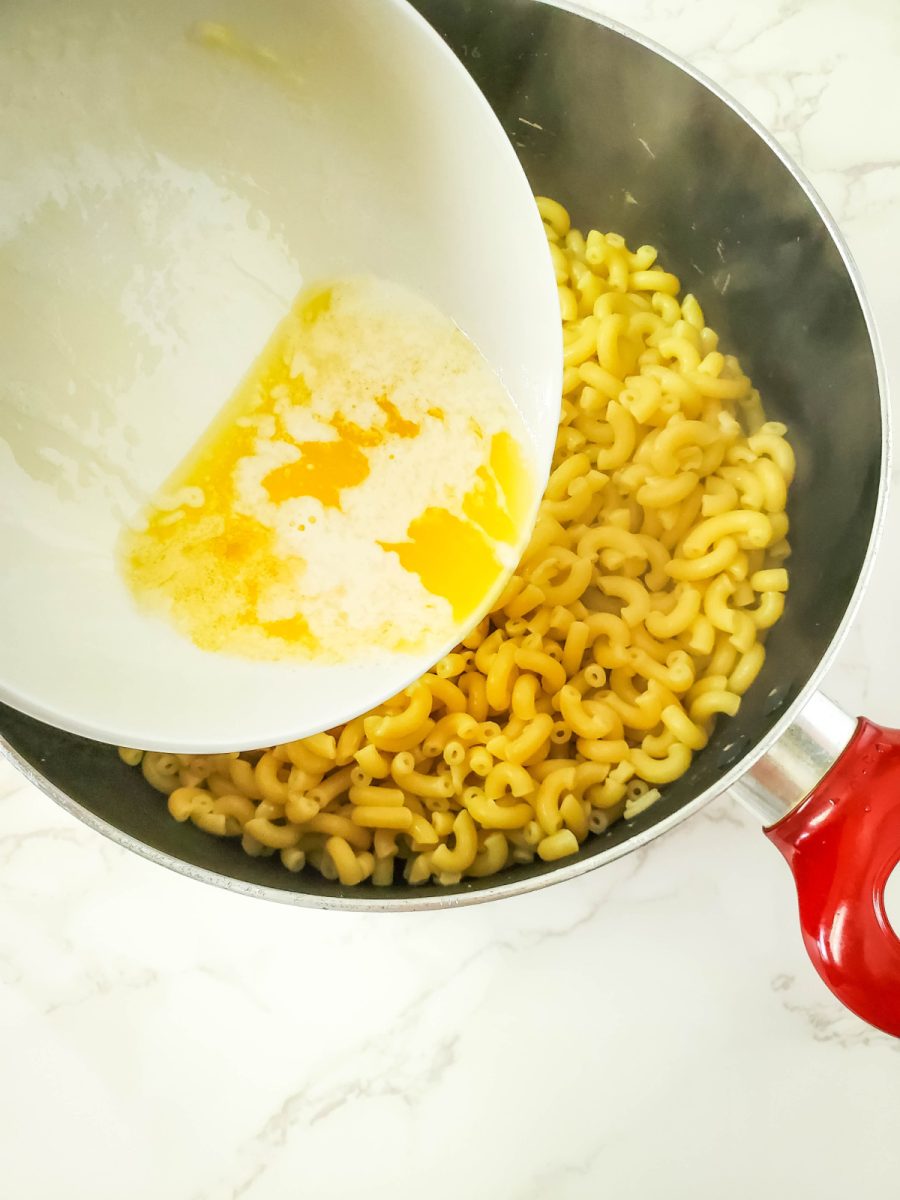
<point>169,182</point>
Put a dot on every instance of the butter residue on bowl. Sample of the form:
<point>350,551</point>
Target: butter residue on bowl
<point>226,40</point>
<point>364,491</point>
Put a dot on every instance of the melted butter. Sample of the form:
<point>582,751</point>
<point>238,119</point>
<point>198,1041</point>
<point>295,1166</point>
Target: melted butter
<point>482,505</point>
<point>511,469</point>
<point>211,566</point>
<point>291,629</point>
<point>225,40</point>
<point>315,302</point>
<point>323,471</point>
<point>215,555</point>
<point>395,422</point>
<point>349,431</point>
<point>452,558</point>
<point>208,564</point>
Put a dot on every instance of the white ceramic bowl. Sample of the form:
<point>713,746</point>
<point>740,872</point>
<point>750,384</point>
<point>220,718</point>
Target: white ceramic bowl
<point>163,200</point>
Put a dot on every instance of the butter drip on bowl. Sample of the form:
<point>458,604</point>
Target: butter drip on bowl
<point>364,491</point>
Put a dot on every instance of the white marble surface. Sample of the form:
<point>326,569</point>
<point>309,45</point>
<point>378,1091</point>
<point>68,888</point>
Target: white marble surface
<point>652,1031</point>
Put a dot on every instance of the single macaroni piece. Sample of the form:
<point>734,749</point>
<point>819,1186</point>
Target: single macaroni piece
<point>634,620</point>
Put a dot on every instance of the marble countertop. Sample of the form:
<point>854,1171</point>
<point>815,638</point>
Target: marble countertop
<point>650,1031</point>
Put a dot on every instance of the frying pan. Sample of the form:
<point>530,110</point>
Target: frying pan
<point>633,140</point>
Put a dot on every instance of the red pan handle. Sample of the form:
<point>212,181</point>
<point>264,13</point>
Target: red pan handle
<point>842,843</point>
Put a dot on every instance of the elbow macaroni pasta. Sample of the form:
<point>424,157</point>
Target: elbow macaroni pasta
<point>633,621</point>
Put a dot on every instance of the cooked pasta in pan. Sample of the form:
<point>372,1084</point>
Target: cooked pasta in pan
<point>634,620</point>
